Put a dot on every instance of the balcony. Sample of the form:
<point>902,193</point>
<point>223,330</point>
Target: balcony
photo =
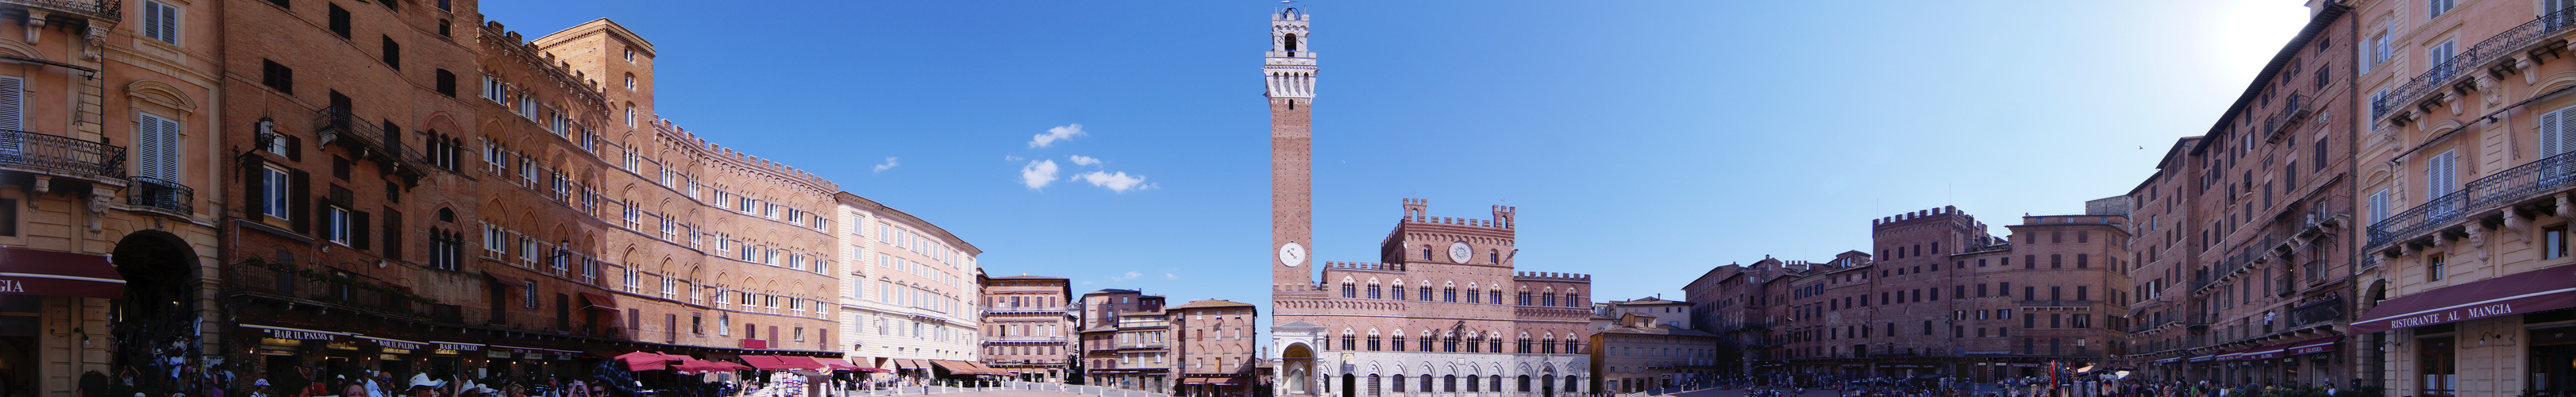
<point>2293,111</point>
<point>1021,339</point>
<point>102,10</point>
<point>323,286</point>
<point>61,155</point>
<point>2424,90</point>
<point>164,195</point>
<point>367,140</point>
<point>2317,310</point>
<point>2198,321</point>
<point>2503,188</point>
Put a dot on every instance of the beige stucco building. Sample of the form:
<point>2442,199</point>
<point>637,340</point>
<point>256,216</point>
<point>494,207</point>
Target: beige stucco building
<point>2463,279</point>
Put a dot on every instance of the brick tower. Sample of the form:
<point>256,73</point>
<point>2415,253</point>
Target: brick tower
<point>1289,70</point>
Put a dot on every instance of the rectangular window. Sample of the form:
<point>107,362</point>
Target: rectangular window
<point>2378,206</point>
<point>393,53</point>
<point>2433,267</point>
<point>160,22</point>
<point>339,21</point>
<point>335,225</point>
<point>2437,7</point>
<point>157,147</point>
<point>2553,242</point>
<point>276,77</point>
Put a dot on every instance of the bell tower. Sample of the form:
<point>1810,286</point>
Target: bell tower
<point>1289,71</point>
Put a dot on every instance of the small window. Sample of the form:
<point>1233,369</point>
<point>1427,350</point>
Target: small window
<point>8,217</point>
<point>2433,267</point>
<point>339,21</point>
<point>2553,242</point>
<point>335,225</point>
<point>274,190</point>
<point>630,56</point>
<point>630,81</point>
<point>393,52</point>
<point>442,23</point>
<point>2437,7</point>
<point>160,22</point>
<point>446,83</point>
<point>276,77</point>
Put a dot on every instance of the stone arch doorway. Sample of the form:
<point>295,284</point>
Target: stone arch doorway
<point>1300,362</point>
<point>153,326</point>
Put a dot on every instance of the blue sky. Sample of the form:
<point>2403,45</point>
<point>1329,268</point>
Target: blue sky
<point>1643,142</point>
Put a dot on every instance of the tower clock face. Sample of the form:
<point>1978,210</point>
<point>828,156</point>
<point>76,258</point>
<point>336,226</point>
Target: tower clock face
<point>1458,252</point>
<point>1292,254</point>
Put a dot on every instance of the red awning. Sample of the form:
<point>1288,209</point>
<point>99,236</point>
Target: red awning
<point>2533,291</point>
<point>838,364</point>
<point>50,273</point>
<point>799,362</point>
<point>597,301</point>
<point>778,363</point>
<point>641,361</point>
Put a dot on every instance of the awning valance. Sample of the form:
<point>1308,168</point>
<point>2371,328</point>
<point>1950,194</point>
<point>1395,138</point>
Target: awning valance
<point>2312,346</point>
<point>2532,291</point>
<point>50,273</point>
<point>954,367</point>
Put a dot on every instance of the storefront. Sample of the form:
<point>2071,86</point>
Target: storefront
<point>2505,322</point>
<point>43,299</point>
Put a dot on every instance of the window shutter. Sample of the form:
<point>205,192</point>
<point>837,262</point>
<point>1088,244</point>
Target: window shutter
<point>12,103</point>
<point>393,234</point>
<point>158,142</point>
<point>358,229</point>
<point>2553,133</point>
<point>255,177</point>
<point>294,147</point>
<point>147,132</point>
<point>300,200</point>
<point>169,25</point>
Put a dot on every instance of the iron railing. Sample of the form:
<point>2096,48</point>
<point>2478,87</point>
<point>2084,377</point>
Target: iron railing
<point>2502,188</point>
<point>157,193</point>
<point>61,153</point>
<point>2319,310</point>
<point>104,10</point>
<point>2290,114</point>
<point>2501,45</point>
<point>339,124</point>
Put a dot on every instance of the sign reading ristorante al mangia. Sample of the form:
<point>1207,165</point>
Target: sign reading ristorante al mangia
<point>2444,316</point>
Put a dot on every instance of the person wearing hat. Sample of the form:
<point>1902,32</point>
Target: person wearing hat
<point>423,386</point>
<point>259,388</point>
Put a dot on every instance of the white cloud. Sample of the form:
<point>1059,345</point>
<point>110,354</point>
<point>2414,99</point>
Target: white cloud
<point>1038,174</point>
<point>1169,276</point>
<point>1116,182</point>
<point>1124,277</point>
<point>1012,159</point>
<point>1059,133</point>
<point>890,163</point>
<point>1085,160</point>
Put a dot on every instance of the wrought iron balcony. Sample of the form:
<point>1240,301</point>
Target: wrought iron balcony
<point>71,157</point>
<point>103,10</point>
<point>2291,113</point>
<point>2502,45</point>
<point>2508,187</point>
<point>157,193</point>
<point>367,140</point>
